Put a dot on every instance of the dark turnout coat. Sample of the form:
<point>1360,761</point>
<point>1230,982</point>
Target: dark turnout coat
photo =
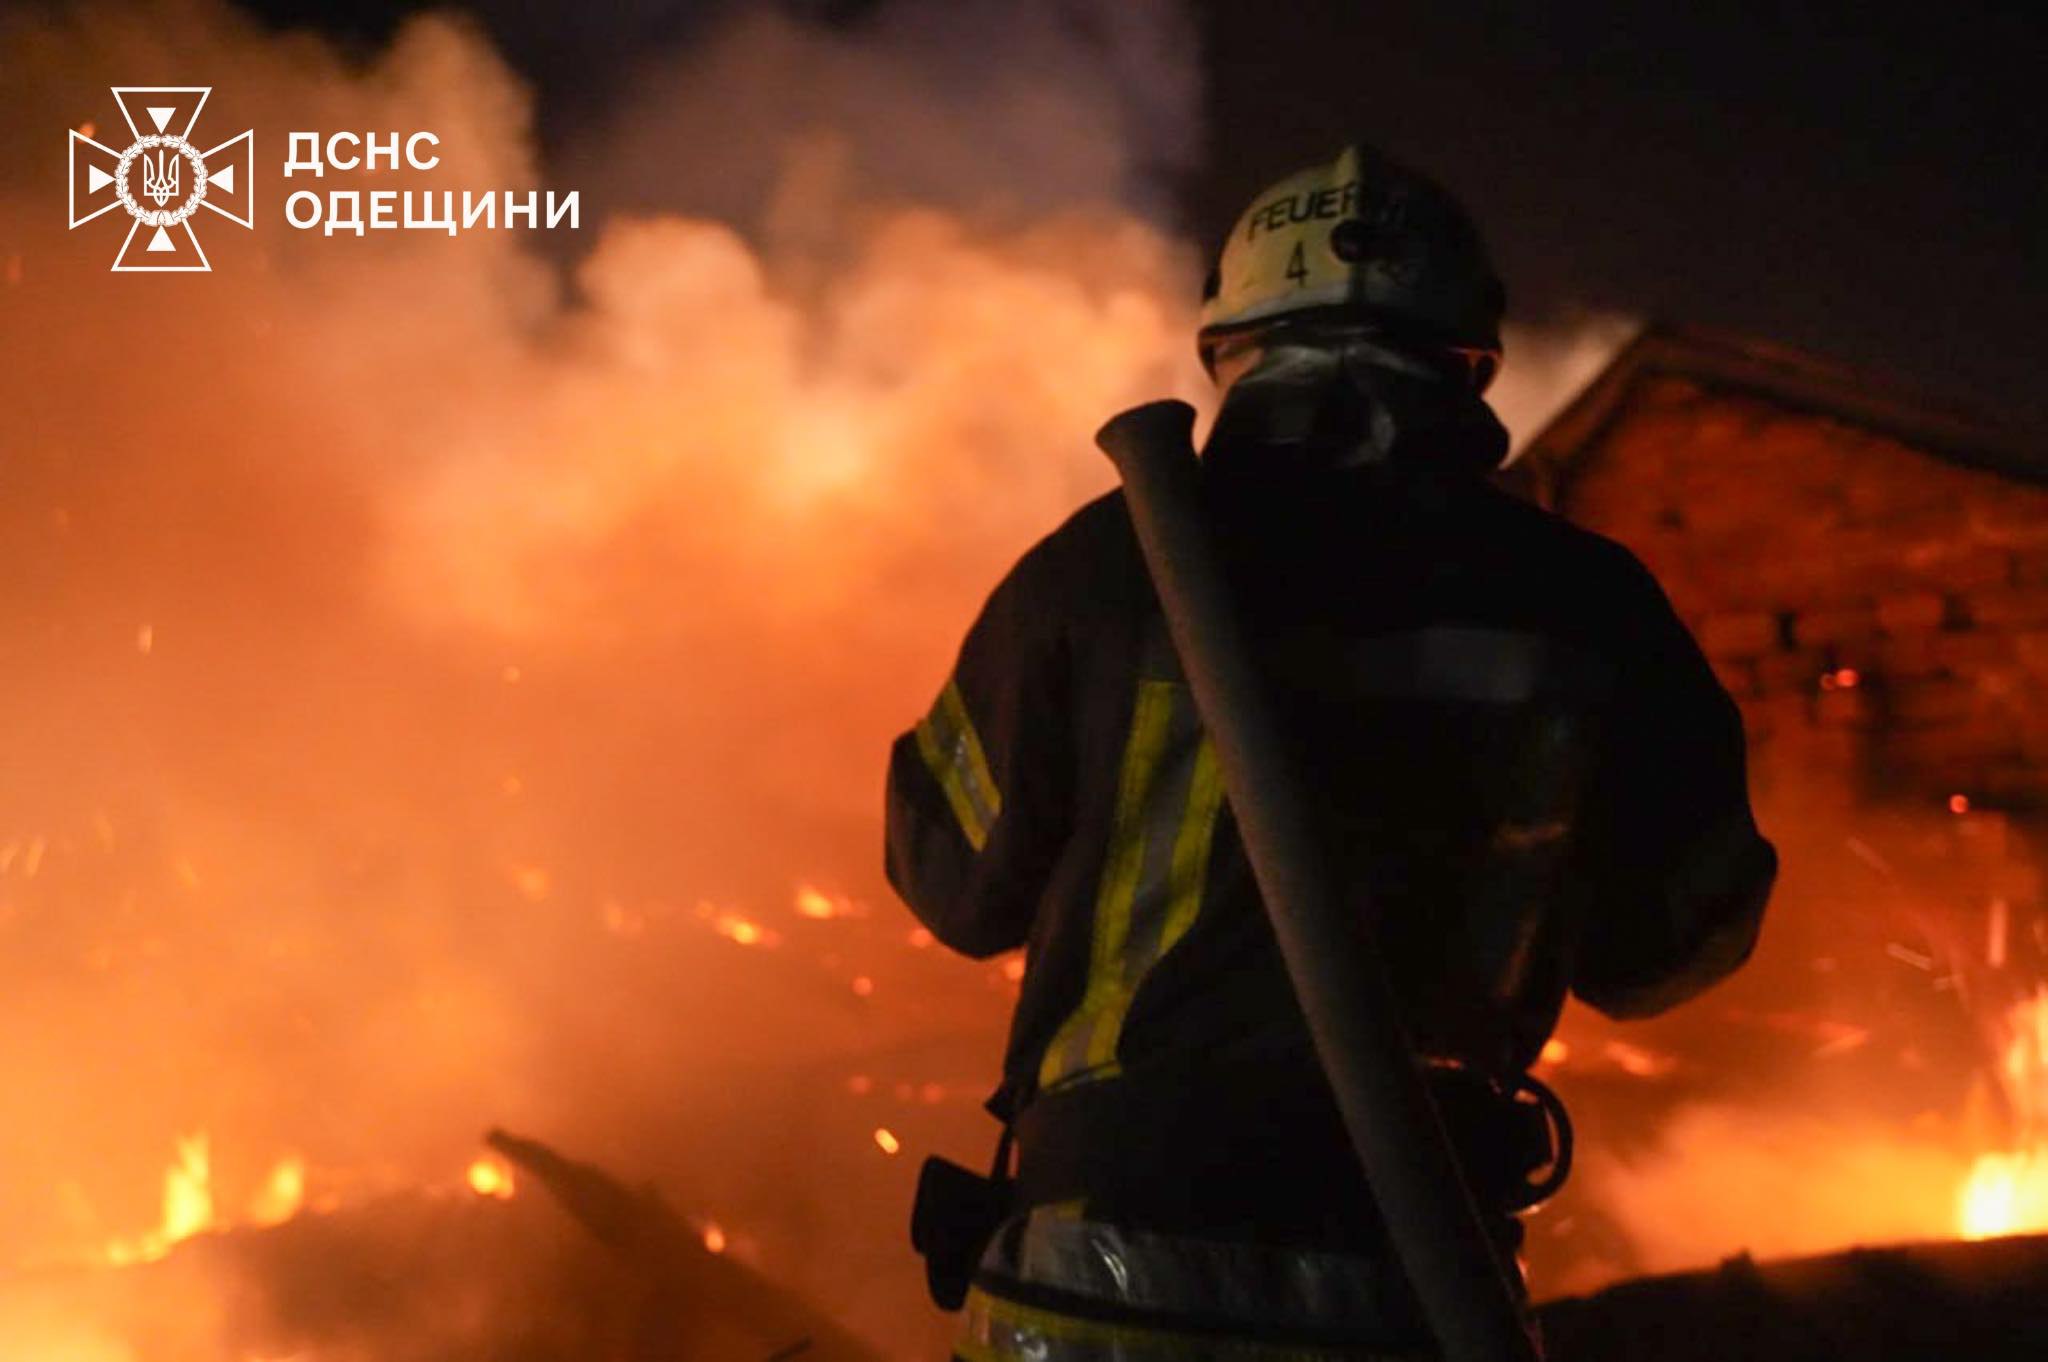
<point>1525,769</point>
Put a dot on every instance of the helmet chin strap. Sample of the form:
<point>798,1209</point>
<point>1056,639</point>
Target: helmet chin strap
<point>1357,405</point>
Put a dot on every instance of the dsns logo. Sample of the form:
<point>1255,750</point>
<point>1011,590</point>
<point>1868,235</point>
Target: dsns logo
<point>161,180</point>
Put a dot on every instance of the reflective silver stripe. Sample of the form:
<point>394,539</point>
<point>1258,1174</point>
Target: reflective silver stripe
<point>1452,662</point>
<point>952,752</point>
<point>1000,1330</point>
<point>1266,1291</point>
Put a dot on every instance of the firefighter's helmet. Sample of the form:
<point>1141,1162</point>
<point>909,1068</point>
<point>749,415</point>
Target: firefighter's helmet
<point>1360,240</point>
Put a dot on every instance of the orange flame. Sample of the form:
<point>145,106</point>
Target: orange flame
<point>187,1205</point>
<point>282,1194</point>
<point>2006,1191</point>
<point>490,1177</point>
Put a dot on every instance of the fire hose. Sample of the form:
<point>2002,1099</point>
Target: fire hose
<point>1338,977</point>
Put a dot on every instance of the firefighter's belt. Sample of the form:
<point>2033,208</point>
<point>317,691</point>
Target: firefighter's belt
<point>1096,1141</point>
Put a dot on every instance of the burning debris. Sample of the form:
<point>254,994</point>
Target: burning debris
<point>432,1276</point>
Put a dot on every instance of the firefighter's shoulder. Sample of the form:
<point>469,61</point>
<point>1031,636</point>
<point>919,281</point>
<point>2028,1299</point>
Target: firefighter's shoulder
<point>1561,553</point>
<point>1091,556</point>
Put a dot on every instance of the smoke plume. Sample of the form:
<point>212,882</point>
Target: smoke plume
<point>445,686</point>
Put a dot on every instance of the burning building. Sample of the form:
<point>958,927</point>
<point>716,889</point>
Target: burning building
<point>1868,572</point>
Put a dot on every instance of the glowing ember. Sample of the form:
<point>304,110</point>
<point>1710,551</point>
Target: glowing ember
<point>490,1177</point>
<point>1637,1062</point>
<point>819,906</point>
<point>714,1239</point>
<point>1906,955</point>
<point>1555,1051</point>
<point>745,933</point>
<point>887,1141</point>
<point>737,928</point>
<point>1958,803</point>
<point>532,881</point>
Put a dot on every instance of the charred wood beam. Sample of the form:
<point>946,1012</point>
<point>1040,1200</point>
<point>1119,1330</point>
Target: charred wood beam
<point>1987,1302</point>
<point>686,1281</point>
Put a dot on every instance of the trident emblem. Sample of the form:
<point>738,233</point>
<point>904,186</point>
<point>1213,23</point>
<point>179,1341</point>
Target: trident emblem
<point>160,176</point>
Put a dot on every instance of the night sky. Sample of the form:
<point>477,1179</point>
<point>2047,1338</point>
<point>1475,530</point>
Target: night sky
<point>1864,183</point>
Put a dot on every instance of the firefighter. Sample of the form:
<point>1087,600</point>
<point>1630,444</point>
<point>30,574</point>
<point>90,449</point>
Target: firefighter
<point>1519,757</point>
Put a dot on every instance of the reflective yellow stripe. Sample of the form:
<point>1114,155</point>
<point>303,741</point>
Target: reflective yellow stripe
<point>1168,796</point>
<point>1191,848</point>
<point>1073,1045</point>
<point>952,752</point>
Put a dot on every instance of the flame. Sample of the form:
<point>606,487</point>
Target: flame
<point>187,1205</point>
<point>490,1177</point>
<point>189,1202</point>
<point>282,1194</point>
<point>188,1190</point>
<point>2004,1194</point>
<point>2006,1191</point>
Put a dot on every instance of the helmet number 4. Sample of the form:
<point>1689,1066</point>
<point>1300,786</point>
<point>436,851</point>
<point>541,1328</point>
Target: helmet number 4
<point>1297,267</point>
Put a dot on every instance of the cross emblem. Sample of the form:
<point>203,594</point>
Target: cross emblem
<point>161,180</point>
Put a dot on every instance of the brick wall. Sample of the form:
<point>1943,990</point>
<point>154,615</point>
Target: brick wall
<point>1859,597</point>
